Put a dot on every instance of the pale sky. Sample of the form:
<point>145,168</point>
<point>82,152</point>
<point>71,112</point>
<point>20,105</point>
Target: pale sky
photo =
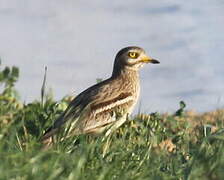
<point>78,40</point>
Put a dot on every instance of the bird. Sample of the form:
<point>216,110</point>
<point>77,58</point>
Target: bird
<point>107,104</point>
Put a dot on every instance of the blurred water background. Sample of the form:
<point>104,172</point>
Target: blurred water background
<point>78,40</point>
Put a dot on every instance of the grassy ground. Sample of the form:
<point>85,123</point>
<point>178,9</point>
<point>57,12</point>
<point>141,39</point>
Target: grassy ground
<point>183,145</point>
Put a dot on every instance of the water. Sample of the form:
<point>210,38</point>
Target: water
<point>77,41</point>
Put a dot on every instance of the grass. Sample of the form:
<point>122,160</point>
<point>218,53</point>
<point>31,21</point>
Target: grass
<point>183,145</point>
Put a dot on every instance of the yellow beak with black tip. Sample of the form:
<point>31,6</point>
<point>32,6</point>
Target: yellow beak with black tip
<point>147,59</point>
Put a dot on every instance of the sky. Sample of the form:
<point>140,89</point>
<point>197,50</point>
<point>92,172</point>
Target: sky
<point>78,40</point>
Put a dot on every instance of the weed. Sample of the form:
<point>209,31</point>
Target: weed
<point>147,146</point>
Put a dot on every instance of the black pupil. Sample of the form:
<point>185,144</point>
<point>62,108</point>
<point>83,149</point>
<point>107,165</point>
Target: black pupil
<point>133,54</point>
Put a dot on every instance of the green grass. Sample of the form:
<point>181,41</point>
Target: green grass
<point>149,146</point>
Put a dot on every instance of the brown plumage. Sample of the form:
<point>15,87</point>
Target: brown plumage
<point>108,103</point>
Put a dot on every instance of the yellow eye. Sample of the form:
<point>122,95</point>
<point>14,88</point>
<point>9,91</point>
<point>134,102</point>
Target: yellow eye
<point>133,55</point>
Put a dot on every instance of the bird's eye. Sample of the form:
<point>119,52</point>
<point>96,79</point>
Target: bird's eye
<point>133,55</point>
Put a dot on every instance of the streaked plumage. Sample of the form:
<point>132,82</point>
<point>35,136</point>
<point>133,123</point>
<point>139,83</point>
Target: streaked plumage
<point>107,103</point>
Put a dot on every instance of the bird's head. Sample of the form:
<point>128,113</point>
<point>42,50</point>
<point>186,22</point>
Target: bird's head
<point>132,58</point>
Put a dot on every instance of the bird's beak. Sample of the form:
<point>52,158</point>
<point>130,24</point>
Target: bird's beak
<point>147,59</point>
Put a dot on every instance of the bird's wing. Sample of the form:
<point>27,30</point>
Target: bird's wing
<point>72,112</point>
<point>98,98</point>
<point>108,105</point>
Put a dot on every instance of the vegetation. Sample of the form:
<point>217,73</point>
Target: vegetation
<point>183,145</point>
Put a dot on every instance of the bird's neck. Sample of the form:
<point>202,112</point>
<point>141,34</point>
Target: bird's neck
<point>126,74</point>
<point>128,81</point>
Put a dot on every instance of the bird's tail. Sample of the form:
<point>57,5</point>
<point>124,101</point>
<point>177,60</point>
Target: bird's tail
<point>47,139</point>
